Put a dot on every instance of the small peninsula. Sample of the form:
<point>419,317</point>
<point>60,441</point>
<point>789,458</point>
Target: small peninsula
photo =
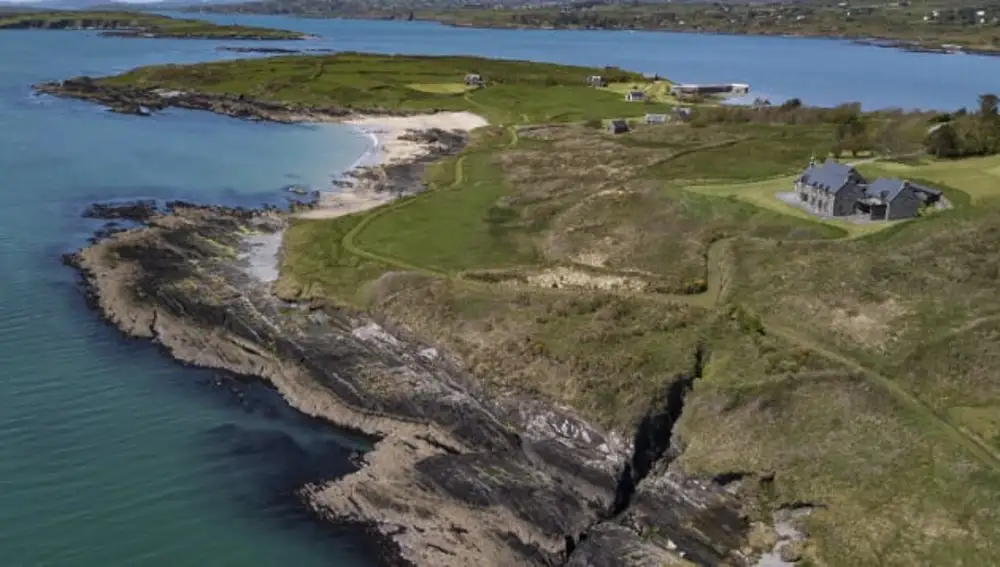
<point>137,24</point>
<point>579,321</point>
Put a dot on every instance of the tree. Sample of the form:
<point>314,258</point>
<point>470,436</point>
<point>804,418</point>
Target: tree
<point>943,142</point>
<point>988,105</point>
<point>852,134</point>
<point>890,139</point>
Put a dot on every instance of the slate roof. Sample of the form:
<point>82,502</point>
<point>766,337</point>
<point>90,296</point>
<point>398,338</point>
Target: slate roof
<point>885,188</point>
<point>831,176</point>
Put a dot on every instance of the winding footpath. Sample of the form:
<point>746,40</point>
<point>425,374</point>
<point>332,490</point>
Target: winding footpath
<point>719,279</point>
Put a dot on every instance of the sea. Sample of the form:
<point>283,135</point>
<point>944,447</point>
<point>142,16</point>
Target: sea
<point>111,454</point>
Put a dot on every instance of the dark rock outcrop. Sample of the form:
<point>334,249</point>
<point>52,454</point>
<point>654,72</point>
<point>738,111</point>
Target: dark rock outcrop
<point>143,101</point>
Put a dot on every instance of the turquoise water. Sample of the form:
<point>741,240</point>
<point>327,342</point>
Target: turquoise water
<point>112,455</point>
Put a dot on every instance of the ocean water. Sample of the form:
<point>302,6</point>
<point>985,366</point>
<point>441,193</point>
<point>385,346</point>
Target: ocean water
<point>819,71</point>
<point>111,454</point>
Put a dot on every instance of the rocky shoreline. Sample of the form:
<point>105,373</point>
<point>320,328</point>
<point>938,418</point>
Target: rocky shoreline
<point>119,28</point>
<point>144,101</point>
<point>457,475</point>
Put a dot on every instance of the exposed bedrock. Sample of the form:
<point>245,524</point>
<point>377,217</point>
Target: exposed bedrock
<point>458,476</point>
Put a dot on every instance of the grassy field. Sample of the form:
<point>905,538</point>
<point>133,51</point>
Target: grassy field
<point>514,91</point>
<point>160,26</point>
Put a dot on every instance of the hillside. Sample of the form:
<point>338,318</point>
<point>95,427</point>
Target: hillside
<point>825,380</point>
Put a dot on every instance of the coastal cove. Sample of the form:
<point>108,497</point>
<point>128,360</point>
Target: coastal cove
<point>100,388</point>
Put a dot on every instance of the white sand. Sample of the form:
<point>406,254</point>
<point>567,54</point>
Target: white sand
<point>388,148</point>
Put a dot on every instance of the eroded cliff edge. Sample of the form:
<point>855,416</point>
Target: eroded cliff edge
<point>459,476</point>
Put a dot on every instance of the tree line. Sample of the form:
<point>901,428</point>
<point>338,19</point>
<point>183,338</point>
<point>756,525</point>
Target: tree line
<point>965,134</point>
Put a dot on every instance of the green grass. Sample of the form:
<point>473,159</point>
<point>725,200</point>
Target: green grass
<point>160,26</point>
<point>317,267</point>
<point>514,91</point>
<point>453,228</point>
<point>441,88</point>
<point>978,177</point>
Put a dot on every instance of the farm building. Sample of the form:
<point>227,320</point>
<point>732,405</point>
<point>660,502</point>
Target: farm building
<point>656,119</point>
<point>597,81</point>
<point>635,96</point>
<point>692,89</point>
<point>473,79</point>
<point>834,189</point>
<point>618,126</point>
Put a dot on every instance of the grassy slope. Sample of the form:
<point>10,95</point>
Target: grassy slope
<point>162,26</point>
<point>515,91</point>
<point>832,364</point>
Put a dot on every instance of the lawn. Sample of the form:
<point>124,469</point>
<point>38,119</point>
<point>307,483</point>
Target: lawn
<point>978,177</point>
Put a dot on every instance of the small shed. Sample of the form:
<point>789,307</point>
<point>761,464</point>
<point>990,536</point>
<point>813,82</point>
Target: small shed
<point>635,96</point>
<point>656,119</point>
<point>472,79</point>
<point>597,81</point>
<point>618,126</point>
<point>683,112</point>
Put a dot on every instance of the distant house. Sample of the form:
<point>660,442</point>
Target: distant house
<point>656,119</point>
<point>834,189</point>
<point>694,89</point>
<point>683,112</point>
<point>473,79</point>
<point>597,81</point>
<point>618,126</point>
<point>635,96</point>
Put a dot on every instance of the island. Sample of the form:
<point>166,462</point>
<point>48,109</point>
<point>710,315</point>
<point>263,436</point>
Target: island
<point>581,326</point>
<point>137,24</point>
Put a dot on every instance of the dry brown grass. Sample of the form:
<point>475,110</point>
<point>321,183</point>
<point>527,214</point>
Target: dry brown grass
<point>893,494</point>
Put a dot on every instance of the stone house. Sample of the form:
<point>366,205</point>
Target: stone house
<point>597,81</point>
<point>473,79</point>
<point>831,189</point>
<point>656,119</point>
<point>834,189</point>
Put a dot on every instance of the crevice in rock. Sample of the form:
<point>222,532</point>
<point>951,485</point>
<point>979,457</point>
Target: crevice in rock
<point>800,505</point>
<point>652,443</point>
<point>653,437</point>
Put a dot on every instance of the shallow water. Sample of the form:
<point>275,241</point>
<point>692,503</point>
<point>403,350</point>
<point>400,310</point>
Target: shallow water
<point>110,454</point>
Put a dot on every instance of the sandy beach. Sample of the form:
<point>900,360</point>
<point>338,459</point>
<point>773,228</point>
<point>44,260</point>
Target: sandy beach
<point>389,146</point>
